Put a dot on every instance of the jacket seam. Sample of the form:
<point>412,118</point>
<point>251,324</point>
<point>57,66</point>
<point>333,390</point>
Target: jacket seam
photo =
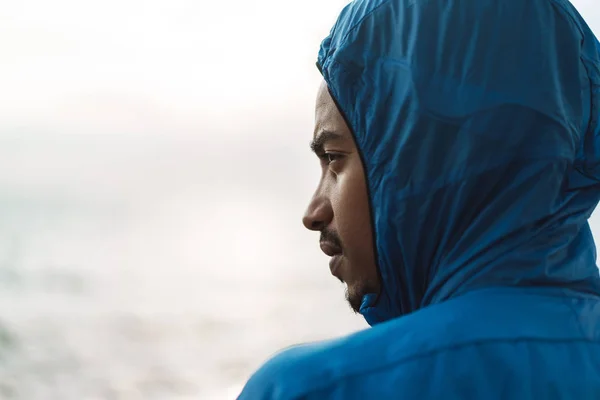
<point>360,21</point>
<point>566,14</point>
<point>569,304</point>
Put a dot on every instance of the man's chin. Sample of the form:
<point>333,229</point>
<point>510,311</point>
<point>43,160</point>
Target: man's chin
<point>354,299</point>
<point>357,291</point>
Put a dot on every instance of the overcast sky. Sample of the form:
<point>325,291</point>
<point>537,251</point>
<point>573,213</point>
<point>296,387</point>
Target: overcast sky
<point>136,66</point>
<point>158,66</point>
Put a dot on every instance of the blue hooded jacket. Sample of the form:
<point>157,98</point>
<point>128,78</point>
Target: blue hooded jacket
<point>477,123</point>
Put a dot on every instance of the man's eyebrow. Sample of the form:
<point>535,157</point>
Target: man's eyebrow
<point>316,145</point>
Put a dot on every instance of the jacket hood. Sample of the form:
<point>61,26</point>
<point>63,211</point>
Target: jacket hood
<point>477,126</point>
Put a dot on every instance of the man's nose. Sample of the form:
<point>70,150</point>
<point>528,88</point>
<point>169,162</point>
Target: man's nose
<point>318,214</point>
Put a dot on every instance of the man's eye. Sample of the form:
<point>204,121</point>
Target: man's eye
<point>328,158</point>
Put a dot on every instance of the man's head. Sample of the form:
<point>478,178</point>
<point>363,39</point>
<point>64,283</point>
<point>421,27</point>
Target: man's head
<point>339,208</point>
<point>481,168</point>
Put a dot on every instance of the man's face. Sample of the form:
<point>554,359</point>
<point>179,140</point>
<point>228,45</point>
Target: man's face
<point>339,208</point>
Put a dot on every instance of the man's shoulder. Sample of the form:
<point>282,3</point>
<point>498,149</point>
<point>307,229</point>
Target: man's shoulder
<point>403,353</point>
<point>296,371</point>
<point>310,369</point>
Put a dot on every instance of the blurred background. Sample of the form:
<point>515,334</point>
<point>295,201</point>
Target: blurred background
<point>154,168</point>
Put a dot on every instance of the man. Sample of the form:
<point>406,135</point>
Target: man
<point>460,151</point>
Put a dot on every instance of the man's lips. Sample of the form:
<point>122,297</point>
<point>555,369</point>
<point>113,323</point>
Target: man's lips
<point>334,264</point>
<point>330,249</point>
<point>336,257</point>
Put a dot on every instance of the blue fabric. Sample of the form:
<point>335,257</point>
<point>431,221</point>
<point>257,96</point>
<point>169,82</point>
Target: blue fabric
<point>477,121</point>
